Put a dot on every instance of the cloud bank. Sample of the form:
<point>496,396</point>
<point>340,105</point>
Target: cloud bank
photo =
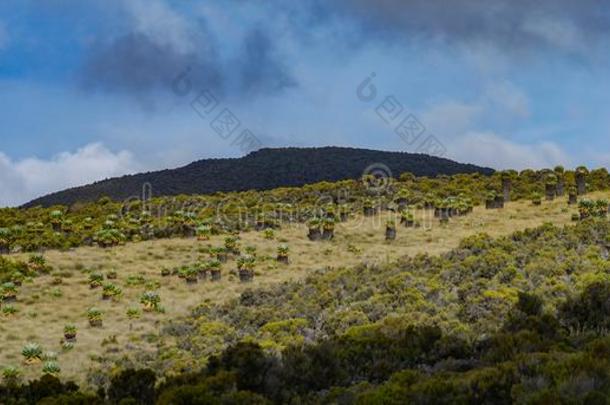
<point>511,25</point>
<point>491,150</point>
<point>24,180</point>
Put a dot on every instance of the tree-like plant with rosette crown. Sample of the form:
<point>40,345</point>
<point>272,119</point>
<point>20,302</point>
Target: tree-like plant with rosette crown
<point>95,317</point>
<point>150,301</point>
<point>32,353</point>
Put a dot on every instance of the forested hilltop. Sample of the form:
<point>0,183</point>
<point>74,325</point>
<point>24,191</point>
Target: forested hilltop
<point>261,170</point>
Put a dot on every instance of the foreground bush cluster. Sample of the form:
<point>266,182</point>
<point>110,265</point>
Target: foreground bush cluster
<point>467,292</point>
<point>534,358</point>
<point>523,318</point>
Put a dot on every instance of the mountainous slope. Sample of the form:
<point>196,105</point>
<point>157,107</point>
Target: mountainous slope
<point>260,170</point>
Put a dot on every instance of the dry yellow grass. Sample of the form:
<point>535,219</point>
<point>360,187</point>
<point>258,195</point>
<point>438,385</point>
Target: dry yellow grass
<point>42,316</point>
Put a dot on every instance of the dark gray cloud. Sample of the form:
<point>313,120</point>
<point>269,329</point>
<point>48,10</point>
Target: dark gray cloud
<point>510,25</point>
<point>261,68</point>
<point>137,64</point>
<point>514,24</point>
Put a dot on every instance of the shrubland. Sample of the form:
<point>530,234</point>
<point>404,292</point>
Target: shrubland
<point>492,317</point>
<point>109,223</point>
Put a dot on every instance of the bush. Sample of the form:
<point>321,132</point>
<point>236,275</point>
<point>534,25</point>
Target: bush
<point>136,385</point>
<point>589,310</point>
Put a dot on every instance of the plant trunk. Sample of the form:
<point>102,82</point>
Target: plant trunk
<point>402,204</point>
<point>560,188</point>
<point>581,184</point>
<point>245,276</point>
<point>70,337</point>
<point>369,211</point>
<point>314,234</point>
<point>390,233</point>
<point>550,192</point>
<point>328,234</point>
<point>216,275</point>
<point>188,231</point>
<point>573,199</point>
<point>499,202</point>
<point>506,189</point>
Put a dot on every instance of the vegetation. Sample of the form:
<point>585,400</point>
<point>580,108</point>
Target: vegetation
<point>111,292</point>
<point>282,253</point>
<point>32,352</point>
<point>51,368</point>
<point>107,224</point>
<point>70,331</point>
<point>420,313</point>
<point>10,375</point>
<point>95,317</point>
<point>548,343</point>
<point>150,300</point>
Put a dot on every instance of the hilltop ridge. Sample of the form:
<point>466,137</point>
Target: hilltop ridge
<point>260,170</point>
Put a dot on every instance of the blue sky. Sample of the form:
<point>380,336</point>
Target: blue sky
<point>88,86</point>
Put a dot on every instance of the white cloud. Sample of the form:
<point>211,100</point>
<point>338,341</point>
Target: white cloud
<point>489,149</point>
<point>23,180</point>
<point>557,32</point>
<point>450,117</point>
<point>508,97</point>
<point>500,99</point>
<point>159,21</point>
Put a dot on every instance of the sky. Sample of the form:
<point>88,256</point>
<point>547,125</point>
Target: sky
<point>92,89</point>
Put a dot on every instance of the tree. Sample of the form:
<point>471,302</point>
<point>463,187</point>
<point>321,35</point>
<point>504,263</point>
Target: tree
<point>95,317</point>
<point>245,267</point>
<point>32,352</point>
<point>150,300</point>
<point>70,332</point>
<point>282,253</point>
<point>581,178</point>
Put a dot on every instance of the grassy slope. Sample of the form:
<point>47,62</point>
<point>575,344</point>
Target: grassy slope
<point>42,316</point>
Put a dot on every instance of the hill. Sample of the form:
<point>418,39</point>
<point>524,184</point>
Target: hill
<point>354,302</point>
<point>261,170</point>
